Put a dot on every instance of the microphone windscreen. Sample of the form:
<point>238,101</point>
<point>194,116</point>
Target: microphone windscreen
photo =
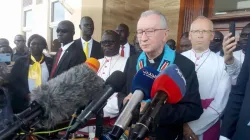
<point>143,80</point>
<point>60,96</point>
<point>116,80</point>
<point>93,63</point>
<point>172,82</point>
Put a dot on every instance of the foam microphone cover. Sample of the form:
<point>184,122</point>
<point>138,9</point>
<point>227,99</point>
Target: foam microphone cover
<point>60,96</point>
<point>143,81</point>
<point>93,63</point>
<point>172,82</point>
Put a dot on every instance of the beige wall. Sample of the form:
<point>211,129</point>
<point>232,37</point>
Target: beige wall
<point>107,14</point>
<point>94,9</point>
<point>128,12</point>
<point>123,11</point>
<point>170,8</point>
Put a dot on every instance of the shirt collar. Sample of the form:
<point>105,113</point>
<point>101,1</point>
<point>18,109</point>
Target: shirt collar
<point>90,41</point>
<point>112,57</point>
<point>65,47</point>
<point>199,55</point>
<point>157,59</point>
<point>126,45</point>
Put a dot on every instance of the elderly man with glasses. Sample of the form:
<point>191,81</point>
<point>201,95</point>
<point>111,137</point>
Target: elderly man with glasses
<point>152,34</point>
<point>214,82</point>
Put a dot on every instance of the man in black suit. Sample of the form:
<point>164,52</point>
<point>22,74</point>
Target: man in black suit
<point>126,49</point>
<point>70,54</point>
<point>152,33</point>
<point>90,47</point>
<point>236,120</point>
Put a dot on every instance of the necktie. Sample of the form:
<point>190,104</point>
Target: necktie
<point>122,51</point>
<point>35,71</point>
<point>56,63</point>
<point>86,49</point>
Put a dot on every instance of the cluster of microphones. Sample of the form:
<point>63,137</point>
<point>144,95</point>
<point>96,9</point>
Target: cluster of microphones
<point>81,92</point>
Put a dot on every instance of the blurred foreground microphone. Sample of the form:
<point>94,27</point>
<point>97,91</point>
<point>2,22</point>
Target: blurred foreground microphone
<point>168,87</point>
<point>141,87</point>
<point>93,63</point>
<point>56,100</point>
<point>114,83</point>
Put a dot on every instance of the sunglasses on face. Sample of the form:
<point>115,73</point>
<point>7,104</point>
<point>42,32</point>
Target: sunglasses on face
<point>107,42</point>
<point>62,30</point>
<point>217,40</point>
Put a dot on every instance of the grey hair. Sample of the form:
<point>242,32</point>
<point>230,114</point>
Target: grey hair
<point>164,23</point>
<point>204,18</point>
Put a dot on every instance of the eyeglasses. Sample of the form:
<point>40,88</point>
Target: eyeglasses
<point>107,42</point>
<point>244,35</point>
<point>205,32</point>
<point>148,32</point>
<point>62,31</point>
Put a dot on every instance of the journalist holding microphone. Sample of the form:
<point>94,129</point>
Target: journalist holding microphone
<point>152,33</point>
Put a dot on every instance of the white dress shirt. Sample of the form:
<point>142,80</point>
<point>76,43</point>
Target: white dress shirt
<point>64,49</point>
<point>90,44</point>
<point>234,69</point>
<point>126,50</point>
<point>45,77</point>
<point>214,83</point>
<point>107,66</point>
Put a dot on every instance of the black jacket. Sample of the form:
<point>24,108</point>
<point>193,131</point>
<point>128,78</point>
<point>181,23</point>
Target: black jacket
<point>171,118</point>
<point>96,51</point>
<point>236,120</point>
<point>18,82</point>
<point>73,56</point>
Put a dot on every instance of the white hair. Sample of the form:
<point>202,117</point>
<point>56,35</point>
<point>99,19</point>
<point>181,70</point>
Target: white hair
<point>163,19</point>
<point>203,18</point>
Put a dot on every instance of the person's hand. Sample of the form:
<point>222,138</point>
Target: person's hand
<point>127,98</point>
<point>229,44</point>
<point>142,106</point>
<point>188,133</point>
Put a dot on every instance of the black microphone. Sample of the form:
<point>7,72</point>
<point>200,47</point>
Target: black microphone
<point>168,87</point>
<point>56,100</point>
<point>115,83</point>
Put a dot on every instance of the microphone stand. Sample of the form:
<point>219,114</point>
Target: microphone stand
<point>99,124</point>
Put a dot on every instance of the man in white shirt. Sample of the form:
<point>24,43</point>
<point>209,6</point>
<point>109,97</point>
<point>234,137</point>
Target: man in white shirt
<point>126,49</point>
<point>214,82</point>
<point>111,62</point>
<point>91,48</point>
<point>70,54</point>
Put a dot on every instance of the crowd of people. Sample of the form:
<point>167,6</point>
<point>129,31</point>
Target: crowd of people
<point>214,66</point>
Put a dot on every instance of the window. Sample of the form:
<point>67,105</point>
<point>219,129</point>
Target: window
<point>231,6</point>
<point>28,18</point>
<point>27,34</point>
<point>58,12</point>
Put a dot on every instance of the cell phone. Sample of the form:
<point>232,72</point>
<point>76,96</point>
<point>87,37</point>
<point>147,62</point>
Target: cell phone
<point>5,57</point>
<point>232,28</point>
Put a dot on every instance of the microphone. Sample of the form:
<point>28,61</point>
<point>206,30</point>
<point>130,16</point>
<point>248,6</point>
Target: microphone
<point>56,100</point>
<point>114,83</point>
<point>168,87</point>
<point>141,87</point>
<point>93,63</point>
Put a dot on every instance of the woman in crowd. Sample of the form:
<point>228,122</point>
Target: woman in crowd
<point>29,72</point>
